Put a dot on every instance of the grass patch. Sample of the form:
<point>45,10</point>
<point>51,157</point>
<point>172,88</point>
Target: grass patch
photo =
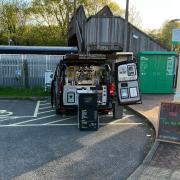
<point>23,92</point>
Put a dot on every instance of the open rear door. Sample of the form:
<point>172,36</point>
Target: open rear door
<point>127,85</point>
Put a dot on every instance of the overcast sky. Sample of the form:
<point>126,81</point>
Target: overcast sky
<point>154,12</point>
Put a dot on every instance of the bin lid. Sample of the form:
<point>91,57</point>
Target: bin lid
<point>157,53</point>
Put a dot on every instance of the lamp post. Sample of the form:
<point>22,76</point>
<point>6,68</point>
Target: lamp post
<point>68,9</point>
<point>125,47</point>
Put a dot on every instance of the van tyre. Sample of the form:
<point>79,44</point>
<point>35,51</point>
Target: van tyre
<point>56,104</point>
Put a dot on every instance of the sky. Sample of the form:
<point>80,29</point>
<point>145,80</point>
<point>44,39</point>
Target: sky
<point>154,13</point>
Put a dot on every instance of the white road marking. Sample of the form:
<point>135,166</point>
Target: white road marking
<point>59,120</point>
<point>34,119</point>
<point>115,121</point>
<point>71,124</point>
<point>111,123</point>
<point>36,109</point>
<point>5,119</point>
<point>44,101</point>
<point>37,125</point>
<point>14,117</point>
<point>5,113</point>
<point>46,107</point>
<point>46,111</point>
<point>22,116</point>
<point>43,104</point>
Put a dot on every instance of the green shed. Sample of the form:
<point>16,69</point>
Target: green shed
<point>157,72</point>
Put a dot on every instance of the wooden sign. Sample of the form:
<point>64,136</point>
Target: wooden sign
<point>169,122</point>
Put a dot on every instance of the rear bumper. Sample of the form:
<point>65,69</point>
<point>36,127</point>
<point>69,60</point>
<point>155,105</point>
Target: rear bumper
<point>74,107</point>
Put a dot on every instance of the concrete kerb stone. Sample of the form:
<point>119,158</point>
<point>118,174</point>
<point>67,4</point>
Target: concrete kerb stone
<point>136,174</point>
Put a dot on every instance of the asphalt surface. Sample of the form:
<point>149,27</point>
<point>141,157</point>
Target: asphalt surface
<point>37,144</point>
<point>18,107</point>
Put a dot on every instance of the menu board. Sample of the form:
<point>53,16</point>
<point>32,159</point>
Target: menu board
<point>169,122</point>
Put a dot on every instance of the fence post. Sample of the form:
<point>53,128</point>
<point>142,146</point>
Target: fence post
<point>25,74</point>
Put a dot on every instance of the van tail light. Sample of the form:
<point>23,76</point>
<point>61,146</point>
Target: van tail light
<point>60,88</point>
<point>111,89</point>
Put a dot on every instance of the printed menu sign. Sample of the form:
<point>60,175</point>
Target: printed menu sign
<point>169,122</point>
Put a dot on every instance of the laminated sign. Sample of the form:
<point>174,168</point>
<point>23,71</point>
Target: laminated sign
<point>88,112</point>
<point>169,122</point>
<point>127,84</point>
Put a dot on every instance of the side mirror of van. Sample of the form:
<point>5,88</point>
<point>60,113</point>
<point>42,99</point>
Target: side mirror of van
<point>64,67</point>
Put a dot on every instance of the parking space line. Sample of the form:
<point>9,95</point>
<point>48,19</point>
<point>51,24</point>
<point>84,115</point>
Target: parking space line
<point>111,123</point>
<point>44,101</point>
<point>5,119</point>
<point>34,119</point>
<point>59,120</point>
<point>72,124</point>
<point>46,111</point>
<point>37,125</point>
<point>115,121</point>
<point>36,109</point>
<point>43,104</point>
<point>21,116</point>
<point>14,117</point>
<point>45,107</point>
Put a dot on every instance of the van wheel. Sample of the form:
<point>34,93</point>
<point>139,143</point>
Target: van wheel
<point>56,104</point>
<point>57,110</point>
<point>105,112</point>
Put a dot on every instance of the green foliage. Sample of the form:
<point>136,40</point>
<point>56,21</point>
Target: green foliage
<point>164,34</point>
<point>22,92</point>
<point>43,22</point>
<point>134,17</point>
<point>117,11</point>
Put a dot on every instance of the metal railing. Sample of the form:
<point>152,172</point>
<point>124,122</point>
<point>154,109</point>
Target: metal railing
<point>26,70</point>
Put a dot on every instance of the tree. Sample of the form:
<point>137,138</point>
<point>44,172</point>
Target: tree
<point>55,12</point>
<point>13,16</point>
<point>134,17</point>
<point>116,9</point>
<point>43,22</point>
<point>93,6</point>
<point>164,34</point>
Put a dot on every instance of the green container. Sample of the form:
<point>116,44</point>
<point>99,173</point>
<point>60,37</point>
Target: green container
<point>157,72</point>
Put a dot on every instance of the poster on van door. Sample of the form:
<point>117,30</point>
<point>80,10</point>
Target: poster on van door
<point>127,84</point>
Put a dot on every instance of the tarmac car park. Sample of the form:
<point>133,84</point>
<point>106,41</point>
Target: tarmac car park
<point>38,144</point>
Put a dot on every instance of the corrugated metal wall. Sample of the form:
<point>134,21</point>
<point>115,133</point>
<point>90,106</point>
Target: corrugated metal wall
<point>14,68</point>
